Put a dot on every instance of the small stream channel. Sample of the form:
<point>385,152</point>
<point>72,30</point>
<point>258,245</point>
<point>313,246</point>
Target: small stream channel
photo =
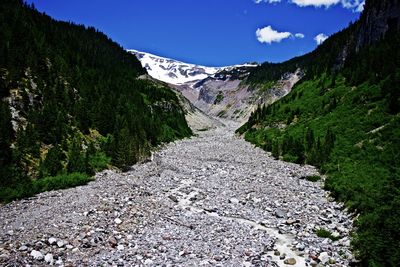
<point>282,242</point>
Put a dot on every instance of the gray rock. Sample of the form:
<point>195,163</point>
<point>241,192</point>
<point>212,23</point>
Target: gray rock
<point>218,258</point>
<point>162,249</point>
<point>173,198</point>
<point>52,240</point>
<point>300,246</point>
<point>23,248</point>
<point>234,201</point>
<point>60,243</point>
<point>4,256</point>
<point>37,255</point>
<point>49,258</point>
<point>156,231</point>
<point>148,262</point>
<point>279,213</point>
<point>39,245</point>
<point>324,257</point>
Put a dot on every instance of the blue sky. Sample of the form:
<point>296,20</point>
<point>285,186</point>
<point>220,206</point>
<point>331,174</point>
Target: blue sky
<point>211,32</point>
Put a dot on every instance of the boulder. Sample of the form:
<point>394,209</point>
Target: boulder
<point>37,255</point>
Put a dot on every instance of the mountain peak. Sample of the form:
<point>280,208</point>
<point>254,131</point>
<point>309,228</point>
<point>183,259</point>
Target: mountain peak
<point>176,72</point>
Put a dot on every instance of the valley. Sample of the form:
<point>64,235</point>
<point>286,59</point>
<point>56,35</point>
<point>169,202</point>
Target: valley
<point>210,200</point>
<point>117,157</point>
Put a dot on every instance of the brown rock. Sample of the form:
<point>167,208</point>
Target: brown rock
<point>291,221</point>
<point>113,242</point>
<point>217,258</point>
<point>290,261</point>
<point>248,253</point>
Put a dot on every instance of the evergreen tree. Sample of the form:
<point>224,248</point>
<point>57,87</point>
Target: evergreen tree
<point>309,138</point>
<point>6,135</point>
<point>52,164</point>
<point>275,149</point>
<point>76,159</point>
<point>328,144</point>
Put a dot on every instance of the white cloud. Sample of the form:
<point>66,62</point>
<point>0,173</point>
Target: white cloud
<point>320,38</point>
<point>269,35</point>
<point>267,1</point>
<point>360,7</point>
<point>316,3</point>
<point>355,5</point>
<point>299,35</point>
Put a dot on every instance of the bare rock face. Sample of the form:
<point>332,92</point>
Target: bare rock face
<point>227,96</point>
<point>379,18</point>
<point>196,118</point>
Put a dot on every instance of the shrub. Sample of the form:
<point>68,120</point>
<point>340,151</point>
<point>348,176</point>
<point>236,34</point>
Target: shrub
<point>41,185</point>
<point>323,233</point>
<point>99,161</point>
<point>313,178</point>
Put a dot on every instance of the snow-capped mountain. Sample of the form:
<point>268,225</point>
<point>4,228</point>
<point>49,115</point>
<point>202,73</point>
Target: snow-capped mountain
<point>176,72</point>
<point>218,92</point>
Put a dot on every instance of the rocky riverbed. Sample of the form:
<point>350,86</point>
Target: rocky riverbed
<point>212,200</point>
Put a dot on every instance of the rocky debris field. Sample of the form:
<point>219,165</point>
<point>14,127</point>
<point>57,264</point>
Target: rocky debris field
<point>212,200</point>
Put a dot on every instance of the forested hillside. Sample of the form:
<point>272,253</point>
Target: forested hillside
<point>343,117</point>
<point>72,104</point>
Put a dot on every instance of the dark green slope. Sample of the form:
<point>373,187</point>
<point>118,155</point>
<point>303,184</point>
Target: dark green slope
<point>343,117</point>
<point>76,103</point>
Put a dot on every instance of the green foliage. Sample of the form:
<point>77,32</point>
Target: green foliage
<point>350,129</point>
<point>313,178</point>
<point>60,182</point>
<point>41,185</point>
<point>6,135</point>
<point>52,164</point>
<point>99,161</point>
<point>323,233</point>
<point>70,81</point>
<point>219,98</point>
<point>76,160</point>
<point>221,113</point>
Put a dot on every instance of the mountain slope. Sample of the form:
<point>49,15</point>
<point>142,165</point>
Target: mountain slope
<point>231,97</point>
<point>218,92</point>
<point>71,103</point>
<point>344,118</point>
